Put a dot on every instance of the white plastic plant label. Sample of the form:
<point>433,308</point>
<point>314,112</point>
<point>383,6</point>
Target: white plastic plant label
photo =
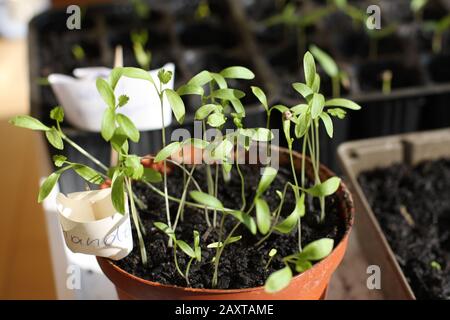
<point>92,226</point>
<point>84,106</point>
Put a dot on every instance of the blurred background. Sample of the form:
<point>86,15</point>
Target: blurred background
<point>399,73</point>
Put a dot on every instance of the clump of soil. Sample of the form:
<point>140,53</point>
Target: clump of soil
<point>412,205</point>
<point>242,263</point>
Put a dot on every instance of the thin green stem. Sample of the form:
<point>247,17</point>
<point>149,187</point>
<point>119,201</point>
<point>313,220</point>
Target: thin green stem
<point>169,223</point>
<point>84,152</point>
<point>241,176</point>
<point>219,253</point>
<point>176,260</point>
<point>135,216</point>
<point>183,198</point>
<point>187,271</point>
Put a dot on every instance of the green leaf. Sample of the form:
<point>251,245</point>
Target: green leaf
<point>135,73</point>
<point>166,229</point>
<point>151,175</point>
<point>115,76</point>
<point>245,219</point>
<point>303,89</point>
<point>54,138</point>
<point>280,108</point>
<point>317,104</point>
<point>197,143</point>
<point>309,67</point>
<point>48,185</point>
<point>134,168</point>
<point>337,112</point>
<point>189,89</point>
<point>220,80</point>
<point>228,94</point>
<point>233,239</point>
<point>128,127</point>
<point>303,124</point>
<point>344,103</point>
<point>302,265</point>
<point>186,248</point>
<point>237,72</point>
<point>206,110</point>
<point>238,107</point>
<point>329,66</point>
<point>299,109</point>
<point>316,84</point>
<point>200,79</point>
<point>325,188</point>
<point>417,5</point>
<point>278,280</point>
<point>215,245</point>
<point>59,160</point>
<point>123,100</point>
<point>119,140</point>
<point>262,134</point>
<point>88,174</point>
<point>216,120</point>
<point>290,222</point>
<point>168,151</point>
<point>223,150</point>
<point>176,104</point>
<point>206,199</point>
<point>287,131</point>
<point>317,250</point>
<point>118,192</point>
<point>57,114</point>
<point>28,122</point>
<point>262,215</point>
<point>108,124</point>
<point>328,123</point>
<point>197,248</point>
<point>164,76</point>
<point>106,92</point>
<point>268,175</point>
<point>261,96</point>
<point>272,252</point>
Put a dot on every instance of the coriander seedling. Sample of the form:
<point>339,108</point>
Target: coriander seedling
<point>386,77</point>
<point>271,254</point>
<point>438,28</point>
<point>143,56</point>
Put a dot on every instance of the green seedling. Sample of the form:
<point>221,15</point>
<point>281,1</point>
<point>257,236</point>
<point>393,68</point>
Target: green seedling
<point>194,253</point>
<point>271,254</point>
<point>142,55</point>
<point>417,7</point>
<point>437,28</point>
<point>436,265</point>
<point>386,78</point>
<point>291,19</point>
<point>78,52</point>
<point>338,77</point>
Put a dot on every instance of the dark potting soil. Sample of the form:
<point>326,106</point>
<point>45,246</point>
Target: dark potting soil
<point>242,264</point>
<point>423,193</point>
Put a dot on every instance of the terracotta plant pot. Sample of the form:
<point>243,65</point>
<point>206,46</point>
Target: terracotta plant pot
<point>309,285</point>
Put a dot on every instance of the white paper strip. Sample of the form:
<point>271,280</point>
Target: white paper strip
<point>92,226</point>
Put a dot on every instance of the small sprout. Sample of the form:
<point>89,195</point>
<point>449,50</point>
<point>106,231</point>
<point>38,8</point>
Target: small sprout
<point>436,265</point>
<point>78,52</point>
<point>57,114</point>
<point>142,56</point>
<point>386,78</point>
<point>271,254</point>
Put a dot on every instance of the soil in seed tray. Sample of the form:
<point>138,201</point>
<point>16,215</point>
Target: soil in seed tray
<point>412,205</point>
<point>242,264</point>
